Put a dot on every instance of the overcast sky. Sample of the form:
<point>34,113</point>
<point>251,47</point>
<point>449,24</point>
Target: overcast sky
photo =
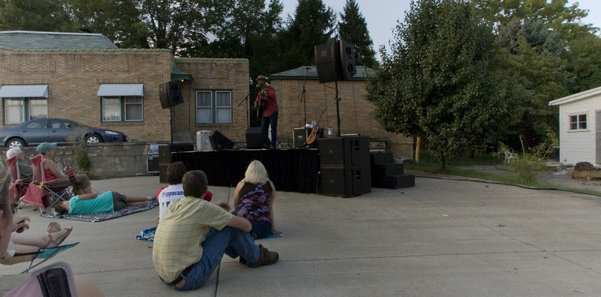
<point>382,15</point>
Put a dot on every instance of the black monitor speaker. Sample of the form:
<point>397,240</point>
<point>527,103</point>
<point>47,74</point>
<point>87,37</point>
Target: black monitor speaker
<point>170,94</point>
<point>256,138</point>
<point>220,142</point>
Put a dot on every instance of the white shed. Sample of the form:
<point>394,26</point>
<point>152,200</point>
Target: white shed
<point>580,127</point>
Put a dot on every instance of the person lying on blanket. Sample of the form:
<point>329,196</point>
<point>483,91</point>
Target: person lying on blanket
<point>106,202</point>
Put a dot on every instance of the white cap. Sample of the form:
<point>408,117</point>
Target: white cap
<point>13,152</point>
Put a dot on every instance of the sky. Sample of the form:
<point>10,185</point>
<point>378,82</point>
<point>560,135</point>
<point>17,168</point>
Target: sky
<point>382,16</point>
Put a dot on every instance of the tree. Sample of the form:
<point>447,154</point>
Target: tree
<point>353,29</point>
<point>440,82</point>
<point>118,20</point>
<point>34,15</point>
<point>313,23</point>
<point>538,41</point>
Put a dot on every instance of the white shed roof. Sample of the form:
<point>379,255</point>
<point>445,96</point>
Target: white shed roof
<point>576,97</point>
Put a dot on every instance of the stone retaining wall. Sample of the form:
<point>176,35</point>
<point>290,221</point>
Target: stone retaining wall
<point>109,160</point>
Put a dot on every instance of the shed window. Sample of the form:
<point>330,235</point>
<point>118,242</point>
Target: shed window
<point>578,122</point>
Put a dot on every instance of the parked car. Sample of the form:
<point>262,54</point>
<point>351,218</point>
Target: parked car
<point>36,131</point>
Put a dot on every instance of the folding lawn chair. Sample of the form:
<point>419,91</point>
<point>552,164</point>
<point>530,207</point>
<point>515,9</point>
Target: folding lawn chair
<point>45,254</point>
<point>19,186</point>
<point>53,280</point>
<point>42,194</point>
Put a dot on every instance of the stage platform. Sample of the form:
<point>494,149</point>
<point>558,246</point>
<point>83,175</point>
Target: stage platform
<point>291,170</point>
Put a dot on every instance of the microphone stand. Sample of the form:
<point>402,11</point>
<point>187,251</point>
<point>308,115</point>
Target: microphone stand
<point>304,100</point>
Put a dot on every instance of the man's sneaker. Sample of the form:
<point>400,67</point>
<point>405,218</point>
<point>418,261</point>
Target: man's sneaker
<point>265,257</point>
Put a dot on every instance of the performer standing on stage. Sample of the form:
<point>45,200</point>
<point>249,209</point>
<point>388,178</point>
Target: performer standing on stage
<point>267,105</point>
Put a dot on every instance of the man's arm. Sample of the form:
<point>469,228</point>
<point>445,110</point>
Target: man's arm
<point>240,223</point>
<point>87,196</point>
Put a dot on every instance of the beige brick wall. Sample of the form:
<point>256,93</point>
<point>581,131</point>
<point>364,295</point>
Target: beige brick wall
<point>214,74</point>
<point>74,76</point>
<point>356,113</point>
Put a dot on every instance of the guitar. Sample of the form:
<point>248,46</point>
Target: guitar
<point>313,135</point>
<point>261,103</point>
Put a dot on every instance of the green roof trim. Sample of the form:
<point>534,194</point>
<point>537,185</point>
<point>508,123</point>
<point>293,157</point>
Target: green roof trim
<point>310,72</point>
<point>178,74</point>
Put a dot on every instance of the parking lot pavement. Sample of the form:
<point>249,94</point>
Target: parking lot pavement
<point>439,238</point>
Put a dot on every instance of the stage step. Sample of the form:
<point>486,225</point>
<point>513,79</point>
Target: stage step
<point>396,181</point>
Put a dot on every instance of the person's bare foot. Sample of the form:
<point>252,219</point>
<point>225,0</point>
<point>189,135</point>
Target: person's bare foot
<point>56,238</point>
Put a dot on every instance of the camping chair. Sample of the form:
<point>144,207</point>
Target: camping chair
<point>45,254</point>
<point>19,186</point>
<point>53,280</point>
<point>41,194</point>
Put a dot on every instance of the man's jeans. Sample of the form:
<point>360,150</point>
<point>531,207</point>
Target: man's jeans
<point>231,241</point>
<point>273,120</point>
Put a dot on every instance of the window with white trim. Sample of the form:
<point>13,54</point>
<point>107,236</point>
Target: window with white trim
<point>578,122</point>
<point>20,110</point>
<point>213,107</point>
<point>122,109</point>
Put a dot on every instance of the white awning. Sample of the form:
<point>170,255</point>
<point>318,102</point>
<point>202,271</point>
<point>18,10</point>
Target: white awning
<point>24,91</point>
<point>107,90</point>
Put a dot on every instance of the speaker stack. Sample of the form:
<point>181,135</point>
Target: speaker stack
<point>170,94</point>
<point>345,166</point>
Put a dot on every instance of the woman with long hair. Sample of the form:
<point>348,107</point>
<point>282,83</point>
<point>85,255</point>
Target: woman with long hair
<point>253,200</point>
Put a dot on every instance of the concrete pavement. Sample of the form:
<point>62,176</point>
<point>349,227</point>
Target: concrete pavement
<point>439,238</point>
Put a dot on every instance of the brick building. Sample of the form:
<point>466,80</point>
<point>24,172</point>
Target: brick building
<point>356,113</point>
<point>86,78</point>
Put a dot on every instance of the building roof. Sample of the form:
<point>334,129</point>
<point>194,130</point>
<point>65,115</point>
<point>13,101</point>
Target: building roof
<point>576,97</point>
<point>310,72</point>
<point>19,40</point>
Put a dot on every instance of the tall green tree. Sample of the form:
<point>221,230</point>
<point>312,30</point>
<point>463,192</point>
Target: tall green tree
<point>538,41</point>
<point>313,23</point>
<point>35,15</point>
<point>353,29</point>
<point>441,80</point>
<point>119,20</point>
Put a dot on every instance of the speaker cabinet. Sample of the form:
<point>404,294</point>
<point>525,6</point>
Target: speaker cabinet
<point>347,60</point>
<point>170,94</point>
<point>344,151</point>
<point>345,181</point>
<point>256,139</point>
<point>327,61</point>
<point>220,142</point>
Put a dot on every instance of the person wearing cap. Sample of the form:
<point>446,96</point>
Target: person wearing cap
<point>55,178</point>
<point>269,116</point>
<point>25,170</point>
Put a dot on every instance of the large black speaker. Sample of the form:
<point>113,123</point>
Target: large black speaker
<point>255,138</point>
<point>347,59</point>
<point>327,60</point>
<point>344,151</point>
<point>170,94</point>
<point>220,142</point>
<point>345,181</point>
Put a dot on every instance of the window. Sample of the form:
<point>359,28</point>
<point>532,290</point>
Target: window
<point>24,109</point>
<point>213,107</point>
<point>122,108</point>
<point>578,122</point>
